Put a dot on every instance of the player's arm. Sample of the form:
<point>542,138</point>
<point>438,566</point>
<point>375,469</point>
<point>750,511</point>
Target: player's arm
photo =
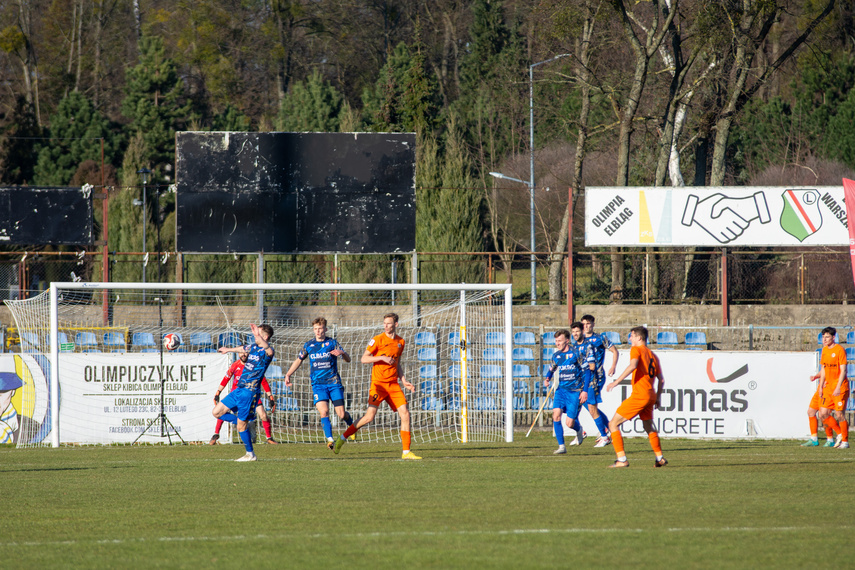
<point>225,350</point>
<point>660,385</point>
<point>633,364</point>
<point>547,380</point>
<point>368,358</point>
<point>265,386</point>
<point>615,357</point>
<point>841,378</point>
<point>821,384</point>
<point>587,376</point>
<point>402,376</point>
<point>340,351</point>
<point>294,366</point>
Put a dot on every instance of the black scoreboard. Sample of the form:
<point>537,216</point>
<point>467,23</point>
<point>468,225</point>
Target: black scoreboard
<point>36,215</point>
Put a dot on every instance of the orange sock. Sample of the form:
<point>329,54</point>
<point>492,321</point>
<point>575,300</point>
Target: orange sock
<point>405,440</point>
<point>654,443</point>
<point>828,432</point>
<point>351,429</point>
<point>832,423</point>
<point>617,443</point>
<point>814,424</point>
<point>844,429</point>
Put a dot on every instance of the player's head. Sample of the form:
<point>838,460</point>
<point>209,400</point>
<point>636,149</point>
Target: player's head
<point>266,332</point>
<point>390,322</point>
<point>577,329</point>
<point>562,339</point>
<point>319,325</point>
<point>828,334</point>
<point>588,323</point>
<point>639,333</point>
<point>243,356</point>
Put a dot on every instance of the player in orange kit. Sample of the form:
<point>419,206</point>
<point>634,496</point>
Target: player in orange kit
<point>833,387</point>
<point>644,367</point>
<point>384,353</point>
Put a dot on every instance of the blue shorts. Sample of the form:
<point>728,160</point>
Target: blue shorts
<point>242,402</point>
<point>324,392</point>
<point>567,402</point>
<point>594,394</point>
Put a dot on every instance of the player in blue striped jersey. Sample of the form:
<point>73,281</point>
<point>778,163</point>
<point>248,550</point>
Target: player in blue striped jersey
<point>598,345</point>
<point>571,392</point>
<point>323,353</point>
<point>241,402</point>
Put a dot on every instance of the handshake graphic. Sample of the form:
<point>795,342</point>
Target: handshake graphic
<point>725,218</point>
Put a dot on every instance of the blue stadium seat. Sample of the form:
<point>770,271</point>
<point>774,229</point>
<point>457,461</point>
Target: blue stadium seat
<point>488,387</point>
<point>427,371</point>
<point>493,353</point>
<point>228,340</point>
<point>613,337</point>
<point>495,338</point>
<point>454,404</point>
<point>850,354</point>
<point>274,372</point>
<point>696,340</point>
<point>544,369</point>
<point>148,349</point>
<point>279,389</point>
<point>200,340</point>
<point>142,340</point>
<point>427,354</point>
<point>454,338</point>
<point>87,341</point>
<point>425,338</point>
<point>490,371</point>
<point>287,404</point>
<point>525,337</point>
<point>207,349</point>
<point>666,339</point>
<point>432,404</point>
<point>429,388</point>
<point>521,354</point>
<point>484,403</point>
<point>521,387</point>
<point>521,371</point>
<point>114,340</point>
<point>519,403</point>
<point>850,337</point>
<point>549,339</point>
<point>29,341</point>
<point>454,355</point>
<point>536,400</point>
<point>547,353</point>
<point>454,387</point>
<point>454,371</point>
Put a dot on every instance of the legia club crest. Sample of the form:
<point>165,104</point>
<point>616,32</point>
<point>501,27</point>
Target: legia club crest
<point>801,217</point>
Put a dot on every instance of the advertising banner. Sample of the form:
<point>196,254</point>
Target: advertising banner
<point>113,398</point>
<point>715,216</point>
<point>721,395</point>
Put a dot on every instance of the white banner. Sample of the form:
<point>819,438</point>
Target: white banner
<point>113,398</point>
<point>717,394</point>
<point>715,216</point>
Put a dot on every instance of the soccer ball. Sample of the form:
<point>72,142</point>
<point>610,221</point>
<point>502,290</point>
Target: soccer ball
<point>171,341</point>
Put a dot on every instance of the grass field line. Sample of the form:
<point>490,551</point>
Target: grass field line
<point>414,534</point>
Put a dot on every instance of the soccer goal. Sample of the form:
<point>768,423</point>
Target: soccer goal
<point>93,368</point>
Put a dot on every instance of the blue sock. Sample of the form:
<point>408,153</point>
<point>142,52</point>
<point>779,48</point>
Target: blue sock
<point>327,427</point>
<point>559,431</point>
<point>246,438</point>
<point>231,418</point>
<point>602,424</point>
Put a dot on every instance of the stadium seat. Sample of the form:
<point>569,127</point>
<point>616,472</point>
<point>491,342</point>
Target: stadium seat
<point>490,371</point>
<point>544,369</point>
<point>200,340</point>
<point>454,387</point>
<point>521,354</point>
<point>454,355</point>
<point>454,404</point>
<point>62,339</point>
<point>696,340</point>
<point>425,338</point>
<point>547,353</point>
<point>613,337</point>
<point>279,389</point>
<point>519,403</point>
<point>228,340</point>
<point>148,349</point>
<point>274,372</point>
<point>850,355</point>
<point>142,340</point>
<point>666,339</point>
<point>548,339</point>
<point>493,353</point>
<point>484,403</point>
<point>495,338</point>
<point>454,338</point>
<point>524,337</point>
<point>287,404</point>
<point>207,349</point>
<point>29,341</point>
<point>432,404</point>
<point>488,387</point>
<point>454,371</point>
<point>87,342</point>
<point>429,388</point>
<point>850,337</point>
<point>536,400</point>
<point>426,354</point>
<point>114,340</point>
<point>427,371</point>
<point>521,371</point>
<point>521,387</point>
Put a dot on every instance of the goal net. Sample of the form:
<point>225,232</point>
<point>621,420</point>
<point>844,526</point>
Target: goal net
<point>92,367</point>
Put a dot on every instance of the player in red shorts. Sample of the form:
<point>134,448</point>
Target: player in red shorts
<point>233,374</point>
<point>384,353</point>
<point>644,367</point>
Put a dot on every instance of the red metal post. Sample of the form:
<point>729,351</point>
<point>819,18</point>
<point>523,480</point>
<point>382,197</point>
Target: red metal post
<point>571,309</point>
<point>725,308</point>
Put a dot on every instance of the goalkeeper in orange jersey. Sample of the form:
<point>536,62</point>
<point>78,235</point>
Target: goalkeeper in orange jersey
<point>644,367</point>
<point>384,354</point>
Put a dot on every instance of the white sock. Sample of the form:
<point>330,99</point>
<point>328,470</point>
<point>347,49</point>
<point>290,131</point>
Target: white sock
<point>622,458</point>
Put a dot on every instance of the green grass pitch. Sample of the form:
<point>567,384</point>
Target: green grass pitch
<point>718,504</point>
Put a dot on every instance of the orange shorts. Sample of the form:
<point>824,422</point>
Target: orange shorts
<point>638,404</point>
<point>816,401</point>
<point>390,393</point>
<point>838,403</point>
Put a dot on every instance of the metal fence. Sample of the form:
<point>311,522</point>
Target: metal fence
<point>599,277</point>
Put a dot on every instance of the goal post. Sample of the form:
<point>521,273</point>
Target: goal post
<point>99,368</point>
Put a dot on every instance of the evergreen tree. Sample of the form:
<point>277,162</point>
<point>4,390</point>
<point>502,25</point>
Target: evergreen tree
<point>154,101</point>
<point>18,145</point>
<point>75,130</point>
<point>231,119</point>
<point>313,105</point>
